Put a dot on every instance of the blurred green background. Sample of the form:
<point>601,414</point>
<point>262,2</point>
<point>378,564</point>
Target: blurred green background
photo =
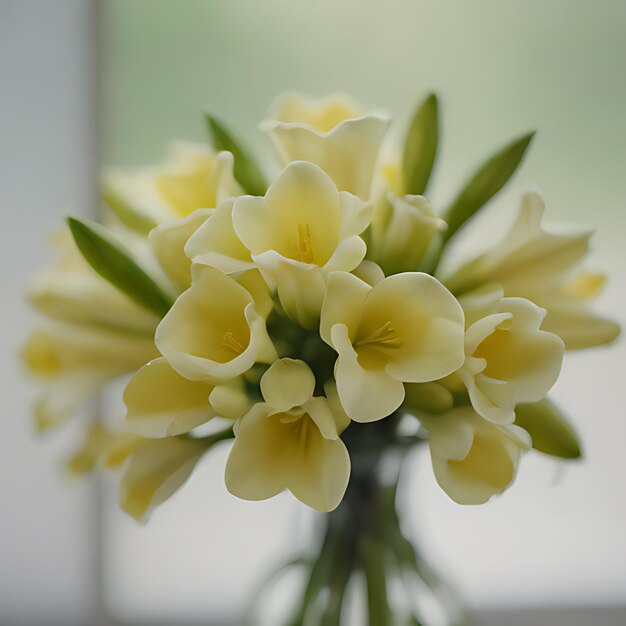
<point>500,69</point>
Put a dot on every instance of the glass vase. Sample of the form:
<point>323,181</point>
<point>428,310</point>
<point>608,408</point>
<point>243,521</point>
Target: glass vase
<point>362,568</point>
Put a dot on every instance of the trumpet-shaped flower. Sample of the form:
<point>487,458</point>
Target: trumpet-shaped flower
<point>216,243</point>
<point>406,328</point>
<point>299,232</point>
<point>156,469</point>
<point>73,362</point>
<point>509,359</point>
<point>472,458</point>
<point>193,177</point>
<point>331,133</point>
<point>102,447</point>
<point>290,441</point>
<point>532,263</point>
<point>214,332</point>
<point>168,241</point>
<point>161,403</point>
<point>402,232</point>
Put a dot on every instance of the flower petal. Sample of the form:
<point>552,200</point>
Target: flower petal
<point>366,395</point>
<point>161,403</point>
<point>287,383</point>
<point>156,469</point>
<point>168,244</point>
<point>216,243</point>
<point>343,303</point>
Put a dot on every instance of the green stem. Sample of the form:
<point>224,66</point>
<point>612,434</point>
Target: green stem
<point>373,559</point>
<point>318,573</point>
<point>211,440</point>
<point>342,571</point>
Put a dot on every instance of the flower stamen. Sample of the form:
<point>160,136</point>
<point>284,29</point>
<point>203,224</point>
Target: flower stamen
<point>231,343</point>
<point>385,336</point>
<point>304,245</point>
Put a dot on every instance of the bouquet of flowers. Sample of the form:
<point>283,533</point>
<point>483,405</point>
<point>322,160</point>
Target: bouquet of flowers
<point>318,324</point>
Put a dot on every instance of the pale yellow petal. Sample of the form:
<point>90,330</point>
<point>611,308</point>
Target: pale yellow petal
<point>348,152</point>
<point>258,462</point>
<point>366,395</point>
<point>168,244</point>
<point>300,217</point>
<point>473,459</point>
<point>156,469</point>
<point>342,419</point>
<point>343,304</point>
<point>301,287</point>
<point>213,331</point>
<point>427,321</point>
<point>161,403</point>
<point>216,243</point>
<point>287,383</point>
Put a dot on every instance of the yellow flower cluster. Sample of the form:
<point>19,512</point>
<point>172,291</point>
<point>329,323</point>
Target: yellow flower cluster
<point>307,310</point>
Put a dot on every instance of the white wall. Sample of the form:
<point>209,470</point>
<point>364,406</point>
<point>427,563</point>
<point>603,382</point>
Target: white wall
<point>47,165</point>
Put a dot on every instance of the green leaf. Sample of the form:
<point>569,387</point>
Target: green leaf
<point>549,429</point>
<point>246,171</point>
<point>115,264</point>
<point>129,216</point>
<point>420,147</point>
<point>486,183</point>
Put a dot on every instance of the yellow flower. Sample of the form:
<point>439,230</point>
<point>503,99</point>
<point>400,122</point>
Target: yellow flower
<point>193,177</point>
<point>331,133</point>
<point>299,232</point>
<point>291,441</point>
<point>472,458</point>
<point>72,292</point>
<point>406,328</point>
<point>402,232</point>
<point>72,362</point>
<point>509,360</point>
<point>168,241</point>
<point>534,264</point>
<point>161,403</point>
<point>102,447</point>
<point>216,243</point>
<point>214,332</point>
<point>156,469</point>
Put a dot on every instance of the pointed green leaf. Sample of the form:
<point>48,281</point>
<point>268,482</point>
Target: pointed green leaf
<point>129,216</point>
<point>550,431</point>
<point>246,171</point>
<point>486,183</point>
<point>109,259</point>
<point>420,147</point>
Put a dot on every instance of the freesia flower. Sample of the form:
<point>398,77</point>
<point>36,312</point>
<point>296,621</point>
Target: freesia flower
<point>299,232</point>
<point>290,441</point>
<point>509,359</point>
<point>156,469</point>
<point>161,403</point>
<point>72,362</point>
<point>216,243</point>
<point>532,263</point>
<point>102,447</point>
<point>332,133</point>
<point>193,177</point>
<point>406,328</point>
<point>401,232</point>
<point>472,458</point>
<point>168,241</point>
<point>214,332</point>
